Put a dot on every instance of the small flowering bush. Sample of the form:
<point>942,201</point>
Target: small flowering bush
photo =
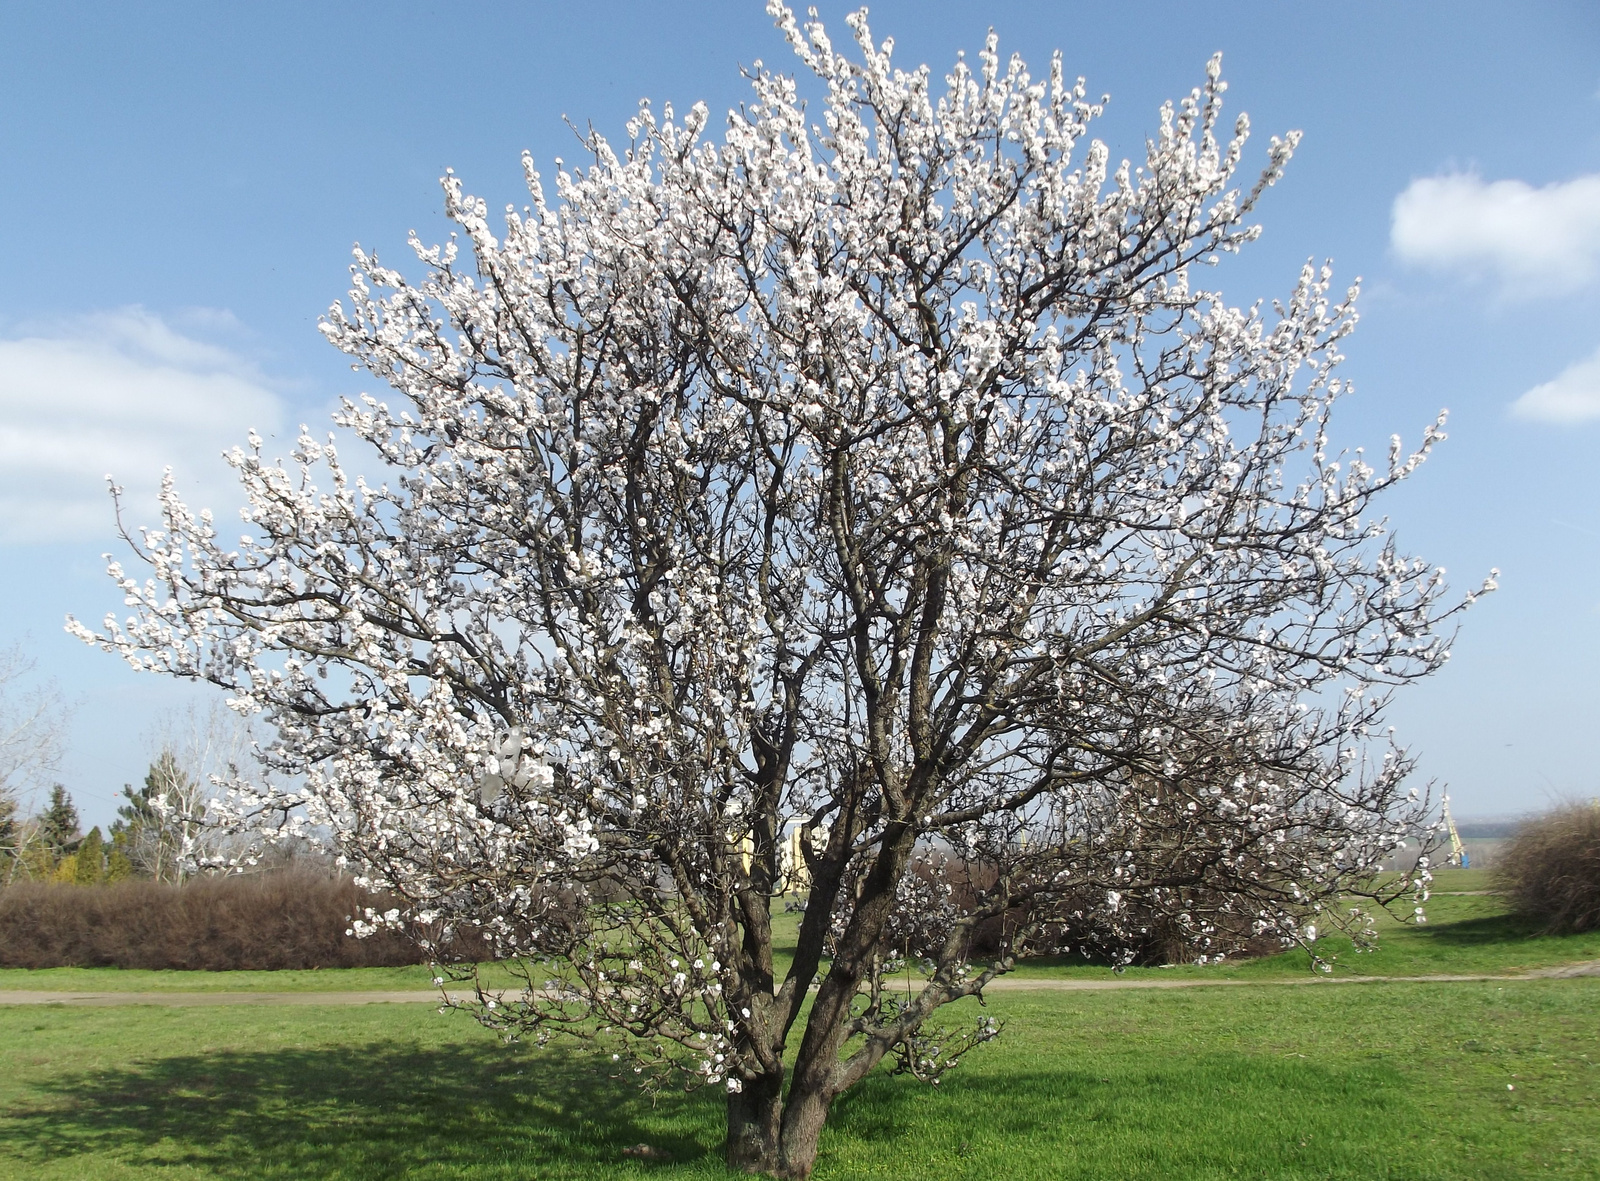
<point>874,466</point>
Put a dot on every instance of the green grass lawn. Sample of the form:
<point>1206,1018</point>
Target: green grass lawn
<point>1386,1081</point>
<point>134,980</point>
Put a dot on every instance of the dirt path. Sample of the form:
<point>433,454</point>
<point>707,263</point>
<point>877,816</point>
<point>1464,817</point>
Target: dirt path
<point>1560,972</point>
<point>1004,984</point>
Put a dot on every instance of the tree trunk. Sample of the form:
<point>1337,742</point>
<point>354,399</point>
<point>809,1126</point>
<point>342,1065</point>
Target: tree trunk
<point>755,1120</point>
<point>772,1138</point>
<point>802,1129</point>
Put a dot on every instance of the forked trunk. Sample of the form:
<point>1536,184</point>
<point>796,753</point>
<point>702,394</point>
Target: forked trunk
<point>771,1138</point>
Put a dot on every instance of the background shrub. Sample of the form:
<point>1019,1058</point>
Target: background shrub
<point>289,918</point>
<point>1550,871</point>
<point>1146,933</point>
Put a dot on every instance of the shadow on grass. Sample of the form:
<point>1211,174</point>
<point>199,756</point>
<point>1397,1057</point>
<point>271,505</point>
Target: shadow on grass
<point>384,1111</point>
<point>1499,928</point>
<point>364,1111</point>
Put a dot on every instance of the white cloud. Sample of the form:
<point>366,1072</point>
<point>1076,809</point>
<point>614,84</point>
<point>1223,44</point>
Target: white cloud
<point>1574,396</point>
<point>123,393</point>
<point>1531,240</point>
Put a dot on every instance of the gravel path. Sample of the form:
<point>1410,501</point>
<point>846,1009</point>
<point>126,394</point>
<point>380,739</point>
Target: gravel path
<point>1004,984</point>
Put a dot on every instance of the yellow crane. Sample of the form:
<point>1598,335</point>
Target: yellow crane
<point>1458,851</point>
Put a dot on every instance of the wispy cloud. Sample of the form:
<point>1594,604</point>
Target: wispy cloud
<point>1530,241</point>
<point>1574,395</point>
<point>123,393</point>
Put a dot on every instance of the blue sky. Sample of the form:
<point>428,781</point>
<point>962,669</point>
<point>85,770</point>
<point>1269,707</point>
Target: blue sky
<point>181,184</point>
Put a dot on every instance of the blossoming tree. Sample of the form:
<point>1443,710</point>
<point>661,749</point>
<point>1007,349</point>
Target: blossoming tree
<point>889,479</point>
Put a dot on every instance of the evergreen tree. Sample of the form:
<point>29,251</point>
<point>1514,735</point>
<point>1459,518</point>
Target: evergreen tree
<point>151,839</point>
<point>13,838</point>
<point>91,868</point>
<point>119,865</point>
<point>135,814</point>
<point>8,825</point>
<point>58,826</point>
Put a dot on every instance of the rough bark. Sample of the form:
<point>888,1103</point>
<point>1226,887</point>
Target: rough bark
<point>803,1118</point>
<point>755,1118</point>
<point>773,1135</point>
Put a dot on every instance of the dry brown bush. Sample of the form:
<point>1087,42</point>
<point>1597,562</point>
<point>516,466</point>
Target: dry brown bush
<point>1146,937</point>
<point>1073,923</point>
<point>1550,871</point>
<point>290,918</point>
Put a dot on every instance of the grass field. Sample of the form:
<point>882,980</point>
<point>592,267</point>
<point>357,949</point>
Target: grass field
<point>1386,1080</point>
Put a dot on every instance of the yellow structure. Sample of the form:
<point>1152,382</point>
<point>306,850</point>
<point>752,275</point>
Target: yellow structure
<point>1458,851</point>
